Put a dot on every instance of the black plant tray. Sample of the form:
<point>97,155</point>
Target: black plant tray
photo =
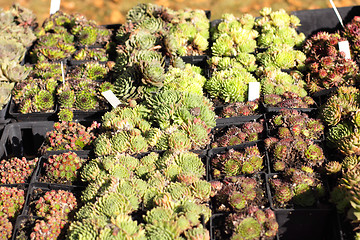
<point>313,21</point>
<point>45,187</point>
<point>213,152</point>
<point>24,226</point>
<point>236,120</point>
<point>91,115</point>
<point>269,109</point>
<point>220,131</point>
<point>25,138</point>
<point>40,172</point>
<point>3,113</point>
<point>322,96</point>
<point>35,116</point>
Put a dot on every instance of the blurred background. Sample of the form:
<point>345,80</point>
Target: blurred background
<point>114,11</point>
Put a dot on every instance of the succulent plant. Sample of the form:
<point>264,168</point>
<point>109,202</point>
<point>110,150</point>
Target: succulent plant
<point>302,187</point>
<point>241,60</point>
<point>253,224</point>
<point>233,135</point>
<point>274,81</point>
<point>293,123</point>
<point>350,32</point>
<point>63,167</point>
<point>91,54</point>
<point>12,200</point>
<point>45,70</point>
<point>239,109</point>
<point>234,35</point>
<point>278,27</point>
<point>91,70</point>
<point>16,170</point>
<point>288,100</point>
<point>282,56</point>
<point>238,193</point>
<point>35,95</point>
<point>230,85</point>
<point>233,163</point>
<point>6,228</point>
<point>55,203</point>
<point>326,65</point>
<point>69,136</point>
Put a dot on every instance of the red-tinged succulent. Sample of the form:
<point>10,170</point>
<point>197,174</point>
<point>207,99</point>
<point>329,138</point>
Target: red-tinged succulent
<point>247,132</point>
<point>5,228</point>
<point>288,100</point>
<point>239,109</point>
<point>49,228</point>
<point>55,203</point>
<point>63,168</point>
<point>238,193</point>
<point>11,201</point>
<point>70,136</point>
<point>16,170</point>
<point>351,32</point>
<point>232,163</point>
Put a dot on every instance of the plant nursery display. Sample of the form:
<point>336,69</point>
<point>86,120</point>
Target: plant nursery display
<point>176,126</point>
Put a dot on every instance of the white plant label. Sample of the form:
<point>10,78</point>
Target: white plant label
<point>111,98</point>
<point>344,47</point>
<point>54,6</point>
<point>62,72</point>
<point>254,91</point>
<point>337,13</point>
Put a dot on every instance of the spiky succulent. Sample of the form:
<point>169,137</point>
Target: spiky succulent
<point>63,168</point>
<point>12,200</point>
<point>230,85</point>
<point>233,135</point>
<point>232,163</point>
<point>239,109</point>
<point>16,170</point>
<point>70,136</point>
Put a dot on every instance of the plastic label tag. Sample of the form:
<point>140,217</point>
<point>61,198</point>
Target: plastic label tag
<point>337,13</point>
<point>62,72</point>
<point>344,47</point>
<point>54,6</point>
<point>254,91</point>
<point>111,98</point>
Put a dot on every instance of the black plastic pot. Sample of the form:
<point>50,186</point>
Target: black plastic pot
<point>35,116</point>
<point>3,114</point>
<point>237,120</point>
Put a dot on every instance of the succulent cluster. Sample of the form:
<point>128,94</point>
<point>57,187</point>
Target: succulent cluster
<point>238,193</point>
<point>275,81</point>
<point>288,100</point>
<point>11,203</point>
<point>63,168</point>
<point>236,162</point>
<point>91,70</point>
<point>91,54</point>
<point>300,186</point>
<point>292,123</point>
<point>293,152</point>
<point>230,85</point>
<point>16,170</point>
<point>81,94</point>
<point>55,206</point>
<point>327,66</point>
<point>232,36</point>
<point>35,95</point>
<point>61,32</point>
<point>46,70</point>
<point>255,223</point>
<point>169,187</point>
<point>351,32</point>
<point>16,35</point>
<point>234,135</point>
<point>239,109</point>
<point>341,114</point>
<point>70,136</point>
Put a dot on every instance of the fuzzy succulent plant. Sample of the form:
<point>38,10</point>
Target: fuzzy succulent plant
<point>293,123</point>
<point>239,109</point>
<point>326,65</point>
<point>12,200</point>
<point>255,223</point>
<point>234,135</point>
<point>238,193</point>
<point>301,187</point>
<point>230,85</point>
<point>16,170</point>
<point>232,163</point>
<point>70,136</point>
<point>234,35</point>
<point>63,168</point>
<point>35,95</point>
